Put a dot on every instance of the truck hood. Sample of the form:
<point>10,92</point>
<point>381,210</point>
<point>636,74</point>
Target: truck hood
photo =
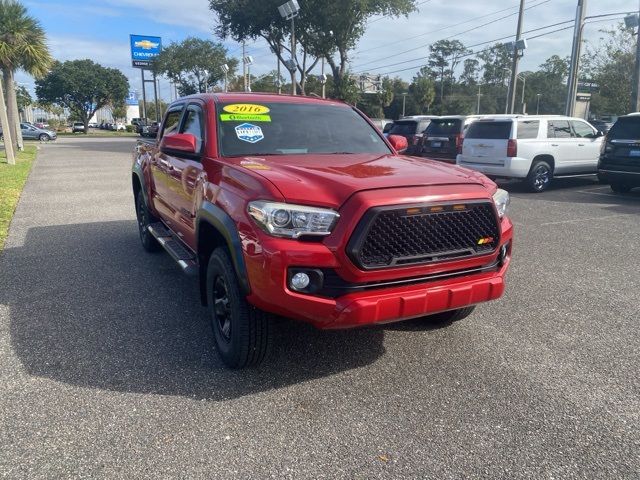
<point>329,180</point>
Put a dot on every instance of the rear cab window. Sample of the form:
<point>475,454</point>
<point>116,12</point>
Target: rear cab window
<point>444,127</point>
<point>280,128</point>
<point>626,128</point>
<point>528,129</point>
<point>490,130</point>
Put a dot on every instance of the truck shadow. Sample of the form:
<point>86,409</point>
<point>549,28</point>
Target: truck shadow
<point>88,307</point>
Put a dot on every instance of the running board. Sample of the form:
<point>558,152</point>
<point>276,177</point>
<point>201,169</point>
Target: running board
<point>576,175</point>
<point>183,257</point>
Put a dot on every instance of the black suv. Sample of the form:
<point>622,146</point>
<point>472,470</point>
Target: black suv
<point>619,162</point>
<point>412,129</point>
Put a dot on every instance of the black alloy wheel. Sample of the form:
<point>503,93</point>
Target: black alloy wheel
<point>241,332</point>
<point>539,177</point>
<point>222,307</point>
<point>149,243</point>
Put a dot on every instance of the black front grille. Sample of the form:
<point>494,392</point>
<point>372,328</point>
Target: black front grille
<point>397,236</point>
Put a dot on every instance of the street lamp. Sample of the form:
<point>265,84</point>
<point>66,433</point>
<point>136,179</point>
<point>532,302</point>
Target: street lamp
<point>225,68</point>
<point>289,11</point>
<point>404,102</point>
<point>248,60</point>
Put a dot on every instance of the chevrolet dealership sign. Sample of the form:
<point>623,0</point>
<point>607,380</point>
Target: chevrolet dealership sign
<point>144,49</point>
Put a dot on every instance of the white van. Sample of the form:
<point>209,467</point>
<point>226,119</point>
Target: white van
<point>532,148</point>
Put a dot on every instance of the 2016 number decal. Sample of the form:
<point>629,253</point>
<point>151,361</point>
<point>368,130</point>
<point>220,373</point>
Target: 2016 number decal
<point>246,108</point>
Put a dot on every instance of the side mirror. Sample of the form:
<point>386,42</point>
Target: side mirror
<point>179,142</point>
<point>399,143</point>
<point>599,133</point>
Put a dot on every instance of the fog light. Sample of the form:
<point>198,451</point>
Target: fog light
<point>300,281</point>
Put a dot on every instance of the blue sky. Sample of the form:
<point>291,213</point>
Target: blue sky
<point>100,29</point>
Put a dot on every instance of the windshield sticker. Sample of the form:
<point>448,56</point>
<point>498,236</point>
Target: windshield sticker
<point>249,133</point>
<point>244,117</point>
<point>246,108</point>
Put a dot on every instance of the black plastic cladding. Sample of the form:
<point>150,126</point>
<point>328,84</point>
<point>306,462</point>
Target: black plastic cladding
<point>390,237</point>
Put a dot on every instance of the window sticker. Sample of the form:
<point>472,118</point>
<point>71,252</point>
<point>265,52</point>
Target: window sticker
<point>244,117</point>
<point>246,108</point>
<point>249,133</point>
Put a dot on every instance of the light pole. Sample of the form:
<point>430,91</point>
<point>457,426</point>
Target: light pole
<point>632,21</point>
<point>538,103</point>
<point>289,11</point>
<point>479,95</point>
<point>404,102</point>
<point>248,60</point>
<point>572,81</point>
<point>519,45</point>
<point>225,69</point>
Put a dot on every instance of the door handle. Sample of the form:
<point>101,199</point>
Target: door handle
<point>581,144</point>
<point>554,144</point>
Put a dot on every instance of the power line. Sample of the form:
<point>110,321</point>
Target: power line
<point>455,35</point>
<point>439,29</point>
<point>477,44</point>
<point>391,15</point>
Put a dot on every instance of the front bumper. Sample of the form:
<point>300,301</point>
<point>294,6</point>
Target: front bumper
<point>398,297</point>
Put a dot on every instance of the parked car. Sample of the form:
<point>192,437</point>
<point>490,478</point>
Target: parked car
<point>380,123</point>
<point>31,132</point>
<point>77,127</point>
<point>443,137</point>
<point>534,149</point>
<point>150,131</point>
<point>117,127</point>
<point>601,125</point>
<point>93,124</point>
<point>302,209</point>
<point>412,129</point>
<point>620,158</point>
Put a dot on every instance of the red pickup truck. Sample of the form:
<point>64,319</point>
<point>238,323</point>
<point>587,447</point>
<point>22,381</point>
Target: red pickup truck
<point>300,207</point>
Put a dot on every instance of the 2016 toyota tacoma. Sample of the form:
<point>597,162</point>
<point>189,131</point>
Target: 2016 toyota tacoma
<point>300,207</point>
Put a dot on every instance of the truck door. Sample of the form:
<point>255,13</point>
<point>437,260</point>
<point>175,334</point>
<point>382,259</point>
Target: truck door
<point>588,146</point>
<point>184,172</point>
<point>160,169</point>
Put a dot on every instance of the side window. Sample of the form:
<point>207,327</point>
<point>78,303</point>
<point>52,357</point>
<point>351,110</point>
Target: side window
<point>528,129</point>
<point>172,121</point>
<point>194,124</point>
<point>582,130</point>
<point>561,129</point>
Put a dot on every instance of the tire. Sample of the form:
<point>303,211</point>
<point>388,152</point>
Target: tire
<point>539,177</point>
<point>620,188</point>
<point>242,333</point>
<point>44,137</point>
<point>145,218</point>
<point>451,315</point>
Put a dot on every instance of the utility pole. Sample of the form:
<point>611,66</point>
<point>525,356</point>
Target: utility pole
<point>4,123</point>
<point>479,95</point>
<point>404,103</point>
<point>278,81</point>
<point>572,81</point>
<point>538,103</point>
<point>635,88</point>
<point>244,66</point>
<point>511,97</point>
<point>293,56</point>
<point>323,80</point>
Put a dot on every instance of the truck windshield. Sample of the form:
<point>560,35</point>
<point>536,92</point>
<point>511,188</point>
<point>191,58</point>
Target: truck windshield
<point>294,128</point>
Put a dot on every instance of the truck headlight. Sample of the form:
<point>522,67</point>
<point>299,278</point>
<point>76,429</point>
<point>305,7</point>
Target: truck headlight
<point>292,221</point>
<point>502,200</point>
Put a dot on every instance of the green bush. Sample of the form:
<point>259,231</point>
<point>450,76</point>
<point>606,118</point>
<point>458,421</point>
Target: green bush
<point>130,128</point>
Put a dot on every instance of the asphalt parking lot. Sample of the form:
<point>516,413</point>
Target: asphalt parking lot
<point>106,368</point>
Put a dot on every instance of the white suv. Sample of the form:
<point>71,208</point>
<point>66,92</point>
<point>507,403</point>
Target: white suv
<point>532,148</point>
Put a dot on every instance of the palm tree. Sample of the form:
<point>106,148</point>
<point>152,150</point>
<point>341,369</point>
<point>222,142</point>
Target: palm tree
<point>22,45</point>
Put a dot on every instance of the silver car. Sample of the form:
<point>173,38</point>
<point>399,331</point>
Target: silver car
<point>31,132</point>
